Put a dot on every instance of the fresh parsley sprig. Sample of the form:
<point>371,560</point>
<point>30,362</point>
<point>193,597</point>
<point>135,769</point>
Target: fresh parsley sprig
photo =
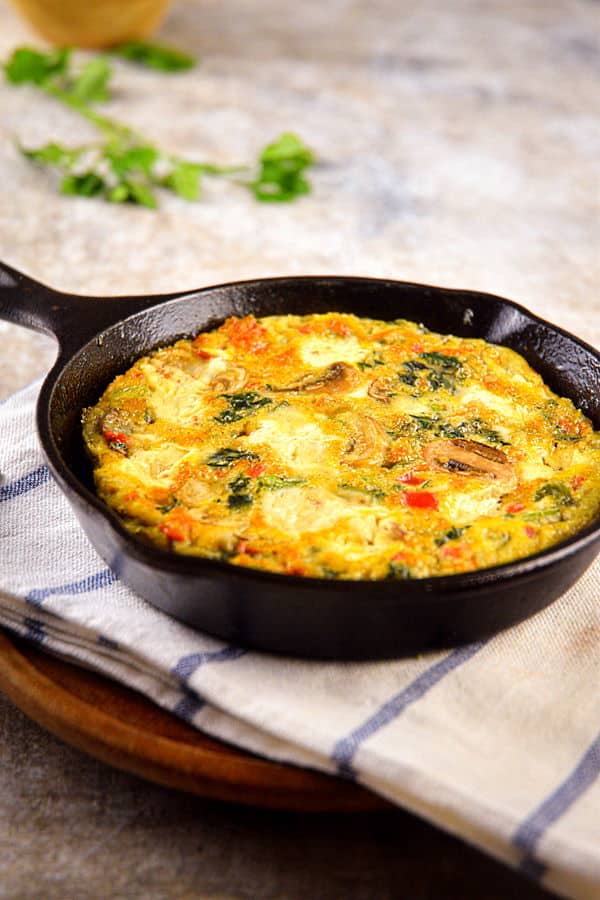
<point>282,166</point>
<point>125,167</point>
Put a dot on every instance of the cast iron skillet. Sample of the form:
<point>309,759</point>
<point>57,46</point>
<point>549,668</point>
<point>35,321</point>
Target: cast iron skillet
<point>100,337</point>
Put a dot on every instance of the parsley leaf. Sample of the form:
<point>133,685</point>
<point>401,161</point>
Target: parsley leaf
<point>51,155</point>
<point>90,86</point>
<point>155,56</point>
<point>88,185</point>
<point>185,180</point>
<point>28,65</point>
<point>282,165</point>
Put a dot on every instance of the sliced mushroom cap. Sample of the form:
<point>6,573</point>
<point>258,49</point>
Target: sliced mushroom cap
<point>468,458</point>
<point>368,444</point>
<point>338,378</point>
<point>232,379</point>
<point>382,389</point>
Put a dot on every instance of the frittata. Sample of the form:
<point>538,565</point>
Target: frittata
<point>342,447</point>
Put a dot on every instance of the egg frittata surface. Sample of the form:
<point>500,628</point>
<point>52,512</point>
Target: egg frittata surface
<point>343,447</point>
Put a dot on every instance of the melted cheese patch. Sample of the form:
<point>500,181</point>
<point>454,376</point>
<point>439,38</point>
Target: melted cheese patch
<point>338,447</point>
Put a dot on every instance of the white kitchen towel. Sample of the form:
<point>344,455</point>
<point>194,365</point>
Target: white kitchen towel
<point>497,741</point>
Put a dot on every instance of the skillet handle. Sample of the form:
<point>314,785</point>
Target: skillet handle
<point>70,318</point>
<point>24,301</point>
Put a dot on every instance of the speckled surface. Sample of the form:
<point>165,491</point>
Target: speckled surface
<point>458,145</point>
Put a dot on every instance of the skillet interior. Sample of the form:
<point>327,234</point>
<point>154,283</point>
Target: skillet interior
<point>314,617</point>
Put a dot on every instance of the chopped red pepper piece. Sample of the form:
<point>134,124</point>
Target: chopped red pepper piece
<point>245,548</point>
<point>172,532</point>
<point>340,328</point>
<point>247,334</point>
<point>255,469</point>
<point>454,551</point>
<point>420,500</point>
<point>411,478</point>
<point>515,508</point>
<point>110,436</point>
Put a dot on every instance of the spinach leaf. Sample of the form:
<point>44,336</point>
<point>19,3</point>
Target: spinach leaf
<point>453,534</point>
<point>439,370</point>
<point>228,456</point>
<point>173,502</point>
<point>277,482</point>
<point>398,570</point>
<point>239,494</point>
<point>489,435</point>
<point>241,405</point>
<point>559,492</point>
<point>235,501</point>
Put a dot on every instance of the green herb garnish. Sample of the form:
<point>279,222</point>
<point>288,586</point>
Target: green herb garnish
<point>282,166</point>
<point>91,85</point>
<point>155,56</point>
<point>27,65</point>
<point>125,167</point>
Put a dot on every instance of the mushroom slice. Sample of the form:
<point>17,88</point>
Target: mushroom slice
<point>382,389</point>
<point>368,444</point>
<point>468,458</point>
<point>231,380</point>
<point>338,378</point>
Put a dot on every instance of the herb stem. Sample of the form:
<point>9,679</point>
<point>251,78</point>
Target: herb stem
<point>110,127</point>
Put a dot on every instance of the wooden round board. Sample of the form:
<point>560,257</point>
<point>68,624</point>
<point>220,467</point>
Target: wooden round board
<point>122,728</point>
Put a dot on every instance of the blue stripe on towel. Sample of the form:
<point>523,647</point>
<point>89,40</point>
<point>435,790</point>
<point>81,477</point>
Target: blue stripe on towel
<point>531,831</point>
<point>92,583</point>
<point>346,748</point>
<point>26,483</point>
<point>188,706</point>
<point>35,630</point>
<point>187,665</point>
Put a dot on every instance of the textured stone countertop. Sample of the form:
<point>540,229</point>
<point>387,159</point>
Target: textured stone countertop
<point>458,145</point>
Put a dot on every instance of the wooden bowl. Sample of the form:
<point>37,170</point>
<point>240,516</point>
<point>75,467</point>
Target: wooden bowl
<point>99,23</point>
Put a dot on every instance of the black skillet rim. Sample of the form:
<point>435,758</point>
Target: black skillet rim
<point>189,566</point>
